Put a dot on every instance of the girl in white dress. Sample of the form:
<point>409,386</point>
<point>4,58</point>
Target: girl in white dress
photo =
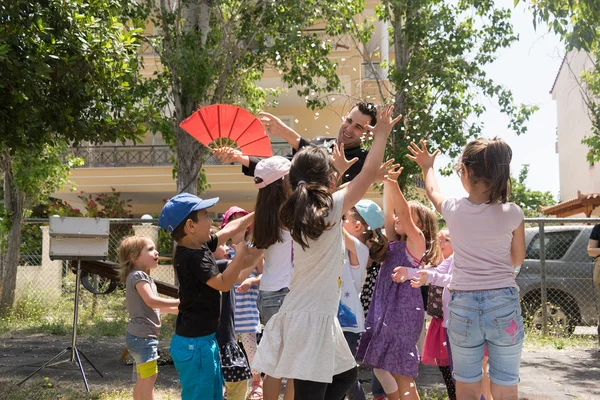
<point>304,340</point>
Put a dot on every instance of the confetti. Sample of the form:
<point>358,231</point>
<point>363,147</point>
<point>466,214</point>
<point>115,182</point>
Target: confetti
<point>296,120</point>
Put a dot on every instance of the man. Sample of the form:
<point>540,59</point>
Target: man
<point>594,251</point>
<point>361,116</point>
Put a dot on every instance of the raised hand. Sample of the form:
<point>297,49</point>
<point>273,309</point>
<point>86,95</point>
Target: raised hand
<point>385,168</point>
<point>249,255</point>
<point>338,159</point>
<point>226,154</point>
<point>385,123</point>
<point>421,155</point>
<point>393,174</point>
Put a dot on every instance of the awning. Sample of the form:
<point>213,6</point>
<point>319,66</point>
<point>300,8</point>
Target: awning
<point>583,203</point>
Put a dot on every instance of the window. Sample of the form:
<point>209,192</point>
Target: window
<point>556,244</point>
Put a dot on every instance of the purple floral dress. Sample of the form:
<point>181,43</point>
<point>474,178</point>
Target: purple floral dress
<point>395,319</point>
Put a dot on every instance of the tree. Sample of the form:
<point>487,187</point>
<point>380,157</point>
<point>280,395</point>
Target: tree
<point>216,52</point>
<point>68,73</point>
<point>529,200</point>
<point>437,79</point>
<point>577,23</point>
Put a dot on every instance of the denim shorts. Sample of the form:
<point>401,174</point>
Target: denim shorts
<point>269,303</point>
<point>198,365</point>
<point>492,318</point>
<point>142,350</point>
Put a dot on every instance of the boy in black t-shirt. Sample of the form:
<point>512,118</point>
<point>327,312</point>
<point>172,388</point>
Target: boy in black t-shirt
<point>194,348</point>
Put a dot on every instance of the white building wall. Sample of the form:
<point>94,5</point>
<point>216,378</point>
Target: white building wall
<point>573,125</point>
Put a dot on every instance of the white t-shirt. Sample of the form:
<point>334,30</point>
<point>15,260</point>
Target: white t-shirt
<point>481,238</point>
<point>350,312</point>
<point>279,264</point>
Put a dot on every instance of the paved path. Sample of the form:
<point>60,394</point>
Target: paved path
<point>545,374</point>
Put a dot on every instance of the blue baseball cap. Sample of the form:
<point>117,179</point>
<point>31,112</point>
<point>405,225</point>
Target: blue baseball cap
<point>371,213</point>
<point>179,207</point>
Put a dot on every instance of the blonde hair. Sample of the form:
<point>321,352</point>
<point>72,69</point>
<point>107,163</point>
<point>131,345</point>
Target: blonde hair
<point>128,252</point>
<point>426,220</point>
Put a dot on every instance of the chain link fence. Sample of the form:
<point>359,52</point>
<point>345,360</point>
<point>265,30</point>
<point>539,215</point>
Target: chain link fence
<point>555,280</point>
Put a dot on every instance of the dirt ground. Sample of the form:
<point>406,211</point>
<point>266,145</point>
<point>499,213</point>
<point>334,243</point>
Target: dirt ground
<point>545,374</point>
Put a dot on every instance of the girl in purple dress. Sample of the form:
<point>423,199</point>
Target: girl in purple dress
<point>395,318</point>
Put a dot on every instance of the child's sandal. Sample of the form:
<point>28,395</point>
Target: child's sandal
<point>257,392</point>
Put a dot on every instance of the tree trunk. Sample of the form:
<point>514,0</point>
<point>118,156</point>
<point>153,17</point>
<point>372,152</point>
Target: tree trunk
<point>13,204</point>
<point>189,162</point>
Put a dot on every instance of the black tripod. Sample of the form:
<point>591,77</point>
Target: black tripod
<point>73,348</point>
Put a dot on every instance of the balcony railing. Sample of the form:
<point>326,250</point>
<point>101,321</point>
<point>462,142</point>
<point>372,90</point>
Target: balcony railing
<point>144,155</point>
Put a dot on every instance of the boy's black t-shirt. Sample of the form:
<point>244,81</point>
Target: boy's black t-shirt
<point>199,304</point>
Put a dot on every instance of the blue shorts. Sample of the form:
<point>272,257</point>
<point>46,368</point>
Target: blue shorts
<point>198,364</point>
<point>269,303</point>
<point>142,350</point>
<point>492,318</point>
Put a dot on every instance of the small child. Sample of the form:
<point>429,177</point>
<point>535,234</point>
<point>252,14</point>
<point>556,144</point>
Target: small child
<point>137,256</point>
<point>194,348</point>
<point>362,231</point>
<point>488,237</point>
<point>396,315</point>
<point>234,364</point>
<point>246,317</point>
<point>304,340</point>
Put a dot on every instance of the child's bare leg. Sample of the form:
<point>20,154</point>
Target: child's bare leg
<point>388,383</point>
<point>486,391</point>
<point>407,387</point>
<point>289,390</point>
<point>144,388</point>
<point>468,391</point>
<point>271,388</point>
<point>504,392</point>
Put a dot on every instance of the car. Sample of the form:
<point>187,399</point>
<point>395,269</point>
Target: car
<point>570,291</point>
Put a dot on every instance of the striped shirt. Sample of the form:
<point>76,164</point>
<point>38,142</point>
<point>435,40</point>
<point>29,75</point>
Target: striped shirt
<point>246,311</point>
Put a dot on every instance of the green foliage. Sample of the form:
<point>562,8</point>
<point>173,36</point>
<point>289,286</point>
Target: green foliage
<point>106,205</point>
<point>438,76</point>
<point>529,200</point>
<point>577,22</point>
<point>578,25</point>
<point>69,71</point>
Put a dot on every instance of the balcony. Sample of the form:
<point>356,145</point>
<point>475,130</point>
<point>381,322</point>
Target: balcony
<point>144,155</point>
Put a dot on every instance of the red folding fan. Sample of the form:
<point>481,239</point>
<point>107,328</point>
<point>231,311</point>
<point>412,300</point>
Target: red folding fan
<point>224,125</point>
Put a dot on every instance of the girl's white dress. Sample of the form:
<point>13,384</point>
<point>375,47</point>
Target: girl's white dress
<point>304,339</point>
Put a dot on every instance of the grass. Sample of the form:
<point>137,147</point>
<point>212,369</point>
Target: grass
<point>534,340</point>
<point>99,315</point>
<point>45,388</point>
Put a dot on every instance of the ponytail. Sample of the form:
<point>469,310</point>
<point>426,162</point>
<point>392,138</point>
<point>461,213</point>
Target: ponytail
<point>378,245</point>
<point>305,212</point>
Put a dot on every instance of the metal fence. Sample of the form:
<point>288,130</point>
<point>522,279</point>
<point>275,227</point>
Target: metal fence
<point>555,280</point>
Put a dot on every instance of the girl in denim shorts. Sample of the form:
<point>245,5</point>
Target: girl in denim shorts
<point>488,237</point>
<point>137,256</point>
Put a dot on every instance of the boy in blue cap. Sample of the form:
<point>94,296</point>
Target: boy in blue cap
<point>194,348</point>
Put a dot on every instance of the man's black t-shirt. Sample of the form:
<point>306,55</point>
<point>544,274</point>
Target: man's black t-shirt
<point>595,235</point>
<point>199,304</point>
<point>328,143</point>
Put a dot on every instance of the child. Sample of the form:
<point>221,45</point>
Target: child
<point>436,346</point>
<point>395,319</point>
<point>362,231</point>
<point>270,177</point>
<point>304,340</point>
<point>137,256</point>
<point>193,347</point>
<point>247,321</point>
<point>234,365</point>
<point>488,236</point>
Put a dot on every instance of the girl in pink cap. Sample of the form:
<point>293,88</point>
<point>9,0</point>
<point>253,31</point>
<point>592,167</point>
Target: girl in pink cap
<point>246,317</point>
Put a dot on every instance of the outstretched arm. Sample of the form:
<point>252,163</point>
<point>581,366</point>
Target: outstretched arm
<point>415,238</point>
<point>276,127</point>
<point>425,159</point>
<point>234,227</point>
